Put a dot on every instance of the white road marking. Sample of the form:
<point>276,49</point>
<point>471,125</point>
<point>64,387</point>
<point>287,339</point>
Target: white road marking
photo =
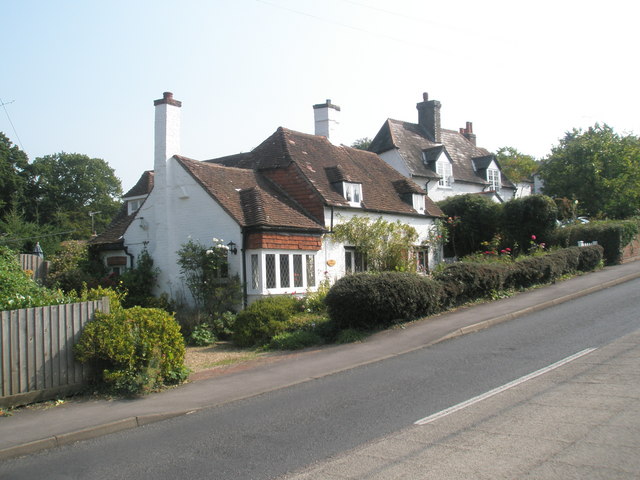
<point>495,391</point>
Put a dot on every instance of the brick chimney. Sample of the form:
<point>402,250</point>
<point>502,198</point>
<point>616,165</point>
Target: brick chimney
<point>326,116</point>
<point>468,133</point>
<point>167,134</point>
<point>429,117</point>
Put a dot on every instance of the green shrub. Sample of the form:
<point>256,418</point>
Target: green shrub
<point>613,236</point>
<point>366,301</point>
<point>350,335</point>
<point>464,281</point>
<point>525,217</point>
<point>474,219</point>
<point>590,257</point>
<point>202,336</point>
<point>133,351</point>
<point>19,290</point>
<point>295,340</point>
<point>262,320</point>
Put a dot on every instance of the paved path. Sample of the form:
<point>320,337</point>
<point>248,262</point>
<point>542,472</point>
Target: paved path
<point>31,430</point>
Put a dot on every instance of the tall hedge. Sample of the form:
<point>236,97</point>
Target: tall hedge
<point>612,235</point>
<point>522,218</point>
<point>475,219</point>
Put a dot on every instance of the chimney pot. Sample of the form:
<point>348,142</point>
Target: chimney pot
<point>425,97</point>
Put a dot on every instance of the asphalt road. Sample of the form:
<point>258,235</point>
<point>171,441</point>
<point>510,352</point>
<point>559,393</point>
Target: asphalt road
<point>281,431</point>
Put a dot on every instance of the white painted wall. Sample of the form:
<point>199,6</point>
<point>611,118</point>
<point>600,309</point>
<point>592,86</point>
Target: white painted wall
<point>333,252</point>
<point>395,160</point>
<point>194,215</point>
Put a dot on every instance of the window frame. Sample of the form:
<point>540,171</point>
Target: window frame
<point>352,192</point>
<point>268,276</point>
<point>354,261</point>
<point>494,177</point>
<point>445,170</point>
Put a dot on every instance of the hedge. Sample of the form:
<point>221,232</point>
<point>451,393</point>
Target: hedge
<point>612,235</point>
<point>366,300</point>
<point>370,300</point>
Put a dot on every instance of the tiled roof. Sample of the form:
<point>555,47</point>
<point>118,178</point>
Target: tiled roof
<point>325,166</point>
<point>114,232</point>
<point>247,196</point>
<point>143,187</point>
<point>412,140</point>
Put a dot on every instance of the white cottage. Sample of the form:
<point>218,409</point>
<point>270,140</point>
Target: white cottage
<point>443,162</point>
<point>275,207</point>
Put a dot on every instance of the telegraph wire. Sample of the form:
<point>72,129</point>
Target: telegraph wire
<point>9,118</point>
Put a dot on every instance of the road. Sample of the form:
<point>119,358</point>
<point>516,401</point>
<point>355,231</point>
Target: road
<point>285,430</point>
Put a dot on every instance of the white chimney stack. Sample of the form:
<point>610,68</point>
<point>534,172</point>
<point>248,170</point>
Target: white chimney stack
<point>327,123</point>
<point>167,133</point>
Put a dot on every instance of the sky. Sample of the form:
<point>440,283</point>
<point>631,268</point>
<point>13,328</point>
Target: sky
<point>81,76</point>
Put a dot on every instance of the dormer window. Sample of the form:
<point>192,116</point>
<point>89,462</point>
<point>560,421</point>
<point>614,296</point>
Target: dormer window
<point>352,193</point>
<point>133,205</point>
<point>419,202</point>
<point>493,177</point>
<point>443,168</point>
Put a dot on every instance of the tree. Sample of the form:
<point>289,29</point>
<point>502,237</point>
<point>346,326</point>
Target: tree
<point>386,245</point>
<point>362,143</point>
<point>66,187</point>
<point>13,175</point>
<point>517,166</point>
<point>597,167</point>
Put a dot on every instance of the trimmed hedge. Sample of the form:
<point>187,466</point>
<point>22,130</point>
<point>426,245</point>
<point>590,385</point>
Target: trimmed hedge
<point>612,235</point>
<point>369,300</point>
<point>365,301</point>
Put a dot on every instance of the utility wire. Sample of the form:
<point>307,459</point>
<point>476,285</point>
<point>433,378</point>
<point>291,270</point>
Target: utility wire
<point>351,27</point>
<point>8,117</point>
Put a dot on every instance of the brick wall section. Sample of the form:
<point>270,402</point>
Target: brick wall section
<point>290,180</point>
<point>281,241</point>
<point>632,251</point>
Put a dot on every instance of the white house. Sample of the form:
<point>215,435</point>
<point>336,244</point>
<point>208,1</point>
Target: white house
<point>275,207</point>
<point>443,162</point>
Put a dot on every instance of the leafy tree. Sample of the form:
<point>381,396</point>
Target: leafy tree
<point>515,165</point>
<point>597,167</point>
<point>66,187</point>
<point>385,244</point>
<point>13,175</point>
<point>362,143</point>
<point>21,235</point>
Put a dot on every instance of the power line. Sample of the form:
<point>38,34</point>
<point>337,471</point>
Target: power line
<point>351,27</point>
<point>9,118</point>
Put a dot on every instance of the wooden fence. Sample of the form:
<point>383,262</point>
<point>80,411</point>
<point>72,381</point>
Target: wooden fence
<point>36,356</point>
<point>35,264</point>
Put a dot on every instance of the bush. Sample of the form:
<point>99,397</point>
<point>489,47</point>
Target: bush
<point>613,236</point>
<point>202,336</point>
<point>524,217</point>
<point>19,290</point>
<point>295,340</point>
<point>476,220</point>
<point>133,351</point>
<point>262,320</point>
<point>464,281</point>
<point>366,301</point>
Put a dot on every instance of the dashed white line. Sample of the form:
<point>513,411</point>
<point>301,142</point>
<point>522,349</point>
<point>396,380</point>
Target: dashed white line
<point>495,391</point>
